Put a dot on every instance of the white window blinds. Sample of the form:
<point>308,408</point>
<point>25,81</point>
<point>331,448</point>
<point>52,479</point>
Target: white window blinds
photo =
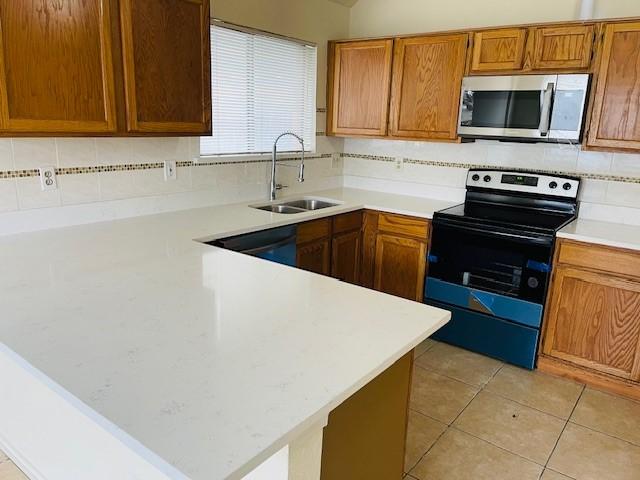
<point>262,86</point>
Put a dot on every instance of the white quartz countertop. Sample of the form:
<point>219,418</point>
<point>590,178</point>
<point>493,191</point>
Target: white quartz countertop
<point>603,233</point>
<point>201,360</point>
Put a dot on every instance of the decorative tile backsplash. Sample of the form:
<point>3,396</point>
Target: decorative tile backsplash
<point>610,188</point>
<point>105,178</point>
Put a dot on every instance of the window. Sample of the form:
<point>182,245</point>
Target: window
<point>261,86</point>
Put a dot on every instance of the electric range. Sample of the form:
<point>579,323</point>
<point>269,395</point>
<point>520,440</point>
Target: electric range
<point>490,260</point>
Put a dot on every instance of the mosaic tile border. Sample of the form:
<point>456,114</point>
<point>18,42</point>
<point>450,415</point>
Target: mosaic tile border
<point>146,166</point>
<point>433,163</point>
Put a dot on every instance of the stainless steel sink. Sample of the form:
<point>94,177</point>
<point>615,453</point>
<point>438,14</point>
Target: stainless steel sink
<point>310,204</point>
<point>280,209</point>
<point>297,206</point>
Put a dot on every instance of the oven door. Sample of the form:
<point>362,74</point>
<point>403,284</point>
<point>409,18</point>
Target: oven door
<point>536,107</point>
<point>496,268</point>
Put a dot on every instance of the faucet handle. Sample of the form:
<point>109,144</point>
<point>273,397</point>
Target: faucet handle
<point>279,186</point>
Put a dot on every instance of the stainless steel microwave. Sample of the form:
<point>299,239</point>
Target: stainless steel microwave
<point>528,107</point>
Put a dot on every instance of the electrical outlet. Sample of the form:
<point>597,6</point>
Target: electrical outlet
<point>336,160</point>
<point>399,163</point>
<point>170,170</point>
<point>48,178</point>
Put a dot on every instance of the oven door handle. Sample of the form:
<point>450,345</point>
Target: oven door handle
<point>545,116</point>
<point>521,237</point>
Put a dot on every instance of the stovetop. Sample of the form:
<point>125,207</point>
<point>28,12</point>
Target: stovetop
<point>511,217</point>
<point>503,200</point>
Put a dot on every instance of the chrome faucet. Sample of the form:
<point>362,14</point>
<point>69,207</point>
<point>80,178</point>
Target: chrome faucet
<point>274,185</point>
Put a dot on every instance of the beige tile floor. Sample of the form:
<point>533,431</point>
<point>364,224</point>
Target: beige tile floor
<point>473,417</point>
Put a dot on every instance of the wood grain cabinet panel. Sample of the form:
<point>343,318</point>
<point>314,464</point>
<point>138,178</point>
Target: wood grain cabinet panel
<point>56,67</point>
<point>315,256</point>
<point>345,256</point>
<point>498,50</point>
<point>313,241</point>
<point>594,322</point>
<point>615,121</point>
<point>427,76</point>
<point>400,266</point>
<point>358,93</point>
<point>166,56</point>
<point>558,48</point>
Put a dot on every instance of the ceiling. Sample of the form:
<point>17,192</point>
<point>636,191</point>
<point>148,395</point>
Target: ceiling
<point>346,3</point>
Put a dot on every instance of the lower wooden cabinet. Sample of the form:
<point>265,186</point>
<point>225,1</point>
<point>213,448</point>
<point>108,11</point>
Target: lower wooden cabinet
<point>315,256</point>
<point>345,256</point>
<point>331,246</point>
<point>365,436</point>
<point>400,265</point>
<point>314,246</point>
<point>394,254</point>
<point>592,329</point>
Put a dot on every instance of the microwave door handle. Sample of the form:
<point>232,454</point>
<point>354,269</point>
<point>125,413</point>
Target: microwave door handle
<point>545,117</point>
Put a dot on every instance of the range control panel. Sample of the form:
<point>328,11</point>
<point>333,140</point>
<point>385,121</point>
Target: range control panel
<point>539,183</point>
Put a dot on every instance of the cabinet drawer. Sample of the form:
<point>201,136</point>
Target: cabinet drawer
<point>315,230</point>
<point>410,226</point>
<point>622,262</point>
<point>347,222</point>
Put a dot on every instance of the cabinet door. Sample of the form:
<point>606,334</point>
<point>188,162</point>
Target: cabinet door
<point>616,111</point>
<point>167,65</point>
<point>56,72</point>
<point>427,75</point>
<point>345,256</point>
<point>560,48</point>
<point>498,50</point>
<point>368,252</point>
<point>594,321</point>
<point>358,93</point>
<point>400,266</point>
<point>315,256</point>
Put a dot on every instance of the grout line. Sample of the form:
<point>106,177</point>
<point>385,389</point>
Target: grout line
<point>450,425</point>
<point>604,433</point>
<point>433,370</point>
<point>497,446</point>
<point>564,428</point>
<point>559,473</point>
<point>527,406</point>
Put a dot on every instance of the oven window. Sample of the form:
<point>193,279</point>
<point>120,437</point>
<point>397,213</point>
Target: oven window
<point>489,263</point>
<point>502,109</point>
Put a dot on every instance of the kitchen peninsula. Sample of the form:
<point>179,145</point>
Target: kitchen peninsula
<point>150,349</point>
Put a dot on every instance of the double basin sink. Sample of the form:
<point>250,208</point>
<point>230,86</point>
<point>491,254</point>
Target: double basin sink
<point>297,206</point>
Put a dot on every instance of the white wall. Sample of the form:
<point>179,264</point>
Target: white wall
<point>396,17</point>
<point>313,20</point>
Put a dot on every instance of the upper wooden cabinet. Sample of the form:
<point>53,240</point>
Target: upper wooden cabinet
<point>56,67</point>
<point>104,67</point>
<point>427,75</point>
<point>560,48</point>
<point>166,51</point>
<point>615,121</point>
<point>498,50</point>
<point>535,49</point>
<point>358,87</point>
